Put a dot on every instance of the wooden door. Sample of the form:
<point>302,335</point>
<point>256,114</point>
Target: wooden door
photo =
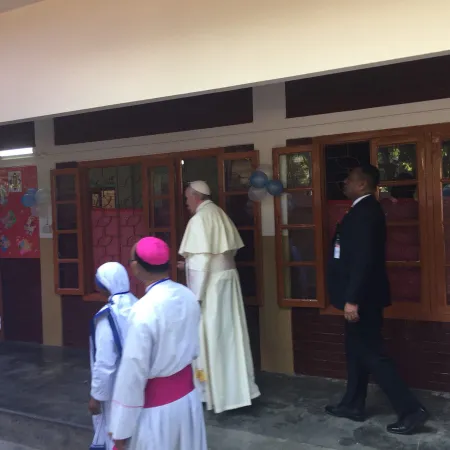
<point>159,180</point>
<point>299,227</point>
<point>403,196</point>
<point>227,175</point>
<point>235,170</point>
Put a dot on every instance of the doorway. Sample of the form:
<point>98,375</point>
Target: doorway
<point>227,174</point>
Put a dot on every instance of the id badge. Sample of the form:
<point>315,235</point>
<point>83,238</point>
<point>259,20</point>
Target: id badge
<point>337,251</point>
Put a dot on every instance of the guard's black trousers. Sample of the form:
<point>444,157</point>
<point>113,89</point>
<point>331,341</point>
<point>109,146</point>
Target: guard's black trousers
<point>365,355</point>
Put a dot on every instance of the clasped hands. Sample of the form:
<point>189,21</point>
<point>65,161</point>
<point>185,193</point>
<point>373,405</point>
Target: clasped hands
<point>351,312</point>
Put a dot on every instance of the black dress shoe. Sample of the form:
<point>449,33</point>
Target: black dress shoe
<point>409,423</point>
<point>345,412</point>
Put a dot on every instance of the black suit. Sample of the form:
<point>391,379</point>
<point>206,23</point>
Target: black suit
<point>358,276</point>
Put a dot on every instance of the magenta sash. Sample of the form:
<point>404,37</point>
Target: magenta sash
<point>164,390</point>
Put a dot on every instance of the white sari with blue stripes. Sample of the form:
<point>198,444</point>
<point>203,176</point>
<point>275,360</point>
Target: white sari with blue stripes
<point>108,331</point>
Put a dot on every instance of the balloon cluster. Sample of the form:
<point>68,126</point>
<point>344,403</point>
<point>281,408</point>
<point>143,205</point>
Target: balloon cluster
<point>261,185</point>
<point>37,201</point>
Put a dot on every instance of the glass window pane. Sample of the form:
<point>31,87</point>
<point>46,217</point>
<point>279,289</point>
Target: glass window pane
<point>161,213</point>
<point>300,282</point>
<point>68,246</point>
<point>202,168</point>
<point>397,162</point>
<point>340,159</point>
<point>237,174</point>
<point>405,283</point>
<point>400,202</point>
<point>247,276</point>
<point>295,170</point>
<point>446,159</point>
<point>164,236</point>
<point>403,243</point>
<point>447,279</point>
<point>247,253</point>
<point>159,180</point>
<point>447,243</point>
<point>116,187</point>
<point>68,275</point>
<point>446,201</point>
<point>298,245</point>
<point>66,216</point>
<point>297,208</point>
<point>65,188</point>
<point>240,209</point>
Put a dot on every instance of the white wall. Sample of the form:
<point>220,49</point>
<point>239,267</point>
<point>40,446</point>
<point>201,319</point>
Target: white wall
<point>270,129</point>
<point>60,56</point>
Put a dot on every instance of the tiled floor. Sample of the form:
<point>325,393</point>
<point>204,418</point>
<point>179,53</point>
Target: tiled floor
<point>53,383</point>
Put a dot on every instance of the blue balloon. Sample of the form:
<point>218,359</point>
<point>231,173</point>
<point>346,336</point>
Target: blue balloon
<point>275,188</point>
<point>31,191</point>
<point>28,200</point>
<point>258,179</point>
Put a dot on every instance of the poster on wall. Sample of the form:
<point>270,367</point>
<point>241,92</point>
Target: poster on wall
<point>19,221</point>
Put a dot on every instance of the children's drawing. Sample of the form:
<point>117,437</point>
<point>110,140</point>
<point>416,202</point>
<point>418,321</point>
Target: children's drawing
<point>8,221</point>
<point>4,243</point>
<point>15,181</point>
<point>30,225</point>
<point>24,246</point>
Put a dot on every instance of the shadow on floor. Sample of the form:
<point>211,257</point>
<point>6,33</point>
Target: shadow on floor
<point>54,383</point>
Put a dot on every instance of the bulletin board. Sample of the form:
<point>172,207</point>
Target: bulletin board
<point>19,225</point>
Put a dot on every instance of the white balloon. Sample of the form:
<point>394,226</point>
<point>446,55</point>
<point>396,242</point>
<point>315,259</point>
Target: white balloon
<point>256,194</point>
<point>42,211</point>
<point>42,197</point>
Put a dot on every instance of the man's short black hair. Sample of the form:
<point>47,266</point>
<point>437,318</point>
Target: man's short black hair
<point>371,175</point>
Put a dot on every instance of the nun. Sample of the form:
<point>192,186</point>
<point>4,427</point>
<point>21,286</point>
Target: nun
<point>108,331</point>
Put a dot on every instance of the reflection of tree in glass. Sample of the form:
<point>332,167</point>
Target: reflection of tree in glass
<point>394,160</point>
<point>299,169</point>
<point>446,159</point>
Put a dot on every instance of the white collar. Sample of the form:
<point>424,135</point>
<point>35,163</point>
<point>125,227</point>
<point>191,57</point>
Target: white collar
<point>359,199</point>
<point>203,204</point>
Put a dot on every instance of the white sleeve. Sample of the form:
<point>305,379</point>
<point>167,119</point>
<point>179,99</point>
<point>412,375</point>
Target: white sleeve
<point>105,365</point>
<point>128,398</point>
<point>197,269</point>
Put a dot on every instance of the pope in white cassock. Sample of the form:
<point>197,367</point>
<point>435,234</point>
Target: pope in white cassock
<point>224,370</point>
<point>108,331</point>
<point>155,404</point>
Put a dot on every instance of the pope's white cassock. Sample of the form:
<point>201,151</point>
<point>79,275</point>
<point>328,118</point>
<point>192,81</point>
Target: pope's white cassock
<point>161,345</point>
<point>108,331</point>
<point>224,370</point>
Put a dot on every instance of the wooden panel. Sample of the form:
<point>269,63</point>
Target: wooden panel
<point>76,317</point>
<point>393,84</point>
<point>17,135</point>
<point>171,116</point>
<point>419,349</point>
<point>22,301</point>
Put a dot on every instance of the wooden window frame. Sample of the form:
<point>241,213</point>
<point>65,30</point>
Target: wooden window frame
<point>79,232</point>
<point>317,192</point>
<point>148,209</point>
<point>173,161</point>
<point>440,306</point>
<point>433,305</point>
